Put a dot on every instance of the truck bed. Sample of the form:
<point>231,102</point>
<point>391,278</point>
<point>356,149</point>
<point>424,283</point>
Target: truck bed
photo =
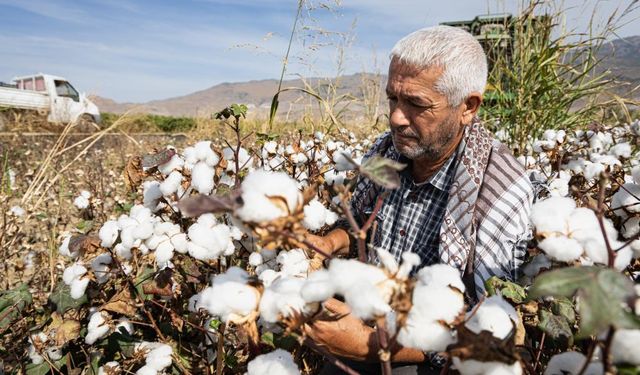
<point>24,99</point>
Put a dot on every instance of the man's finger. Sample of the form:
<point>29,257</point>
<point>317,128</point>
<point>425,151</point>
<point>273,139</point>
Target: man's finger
<point>337,307</point>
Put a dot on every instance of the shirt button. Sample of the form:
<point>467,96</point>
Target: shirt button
<point>402,232</point>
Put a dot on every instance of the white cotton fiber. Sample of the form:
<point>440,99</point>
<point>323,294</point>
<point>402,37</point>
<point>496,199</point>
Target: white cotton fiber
<point>257,189</point>
<point>277,362</point>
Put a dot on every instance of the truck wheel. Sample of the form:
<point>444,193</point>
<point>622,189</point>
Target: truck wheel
<point>86,124</point>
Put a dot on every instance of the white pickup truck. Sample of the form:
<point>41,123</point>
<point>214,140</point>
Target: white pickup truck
<point>48,95</point>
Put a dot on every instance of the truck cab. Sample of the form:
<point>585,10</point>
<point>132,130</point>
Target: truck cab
<point>58,98</point>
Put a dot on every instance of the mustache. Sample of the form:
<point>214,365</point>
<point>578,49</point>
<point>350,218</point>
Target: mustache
<point>406,132</point>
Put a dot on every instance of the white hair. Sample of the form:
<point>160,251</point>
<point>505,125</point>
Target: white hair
<point>457,52</point>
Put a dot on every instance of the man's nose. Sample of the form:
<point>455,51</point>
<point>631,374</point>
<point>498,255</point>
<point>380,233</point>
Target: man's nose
<point>398,117</point>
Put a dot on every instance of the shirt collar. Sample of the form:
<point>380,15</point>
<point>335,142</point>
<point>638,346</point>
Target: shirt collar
<point>440,180</point>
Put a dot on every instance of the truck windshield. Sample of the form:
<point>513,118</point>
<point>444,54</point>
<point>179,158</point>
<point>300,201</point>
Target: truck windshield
<point>63,88</point>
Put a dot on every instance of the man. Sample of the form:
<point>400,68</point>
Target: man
<point>464,200</point>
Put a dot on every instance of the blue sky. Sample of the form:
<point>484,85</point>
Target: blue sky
<point>139,50</point>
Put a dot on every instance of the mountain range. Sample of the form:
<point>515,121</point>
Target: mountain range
<point>621,57</point>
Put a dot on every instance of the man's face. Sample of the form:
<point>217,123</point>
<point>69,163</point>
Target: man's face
<point>423,125</point>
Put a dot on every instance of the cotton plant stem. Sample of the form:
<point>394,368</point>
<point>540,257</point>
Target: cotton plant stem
<point>330,357</point>
<point>591,350</point>
<point>600,216</point>
<point>220,350</point>
<point>383,341</point>
<point>606,351</point>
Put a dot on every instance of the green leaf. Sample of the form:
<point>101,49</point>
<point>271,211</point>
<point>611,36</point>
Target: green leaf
<point>144,275</point>
<point>556,327</point>
<point>267,339</point>
<point>61,298</point>
<point>215,323</point>
<point>239,110</point>
<point>85,226</point>
<point>382,171</point>
<point>628,370</point>
<point>603,296</point>
<point>274,109</point>
<point>564,307</point>
<point>507,289</point>
<point>12,303</point>
<point>44,368</point>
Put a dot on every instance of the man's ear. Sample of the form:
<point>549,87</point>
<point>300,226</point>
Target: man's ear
<point>470,107</point>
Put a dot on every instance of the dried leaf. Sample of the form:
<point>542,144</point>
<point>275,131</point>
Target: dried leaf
<point>69,330</point>
<point>154,160</point>
<point>84,244</point>
<point>121,303</point>
<point>201,204</point>
<point>483,346</point>
<point>133,173</point>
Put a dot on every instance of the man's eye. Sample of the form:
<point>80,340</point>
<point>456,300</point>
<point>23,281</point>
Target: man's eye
<point>392,98</point>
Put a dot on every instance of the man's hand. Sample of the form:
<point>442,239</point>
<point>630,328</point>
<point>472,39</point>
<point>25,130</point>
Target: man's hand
<point>335,241</point>
<point>347,336</point>
<point>341,333</point>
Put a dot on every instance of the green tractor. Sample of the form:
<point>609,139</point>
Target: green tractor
<point>496,34</point>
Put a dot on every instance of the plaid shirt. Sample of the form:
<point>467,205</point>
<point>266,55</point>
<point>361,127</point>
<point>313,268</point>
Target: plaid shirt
<point>411,216</point>
<point>484,228</point>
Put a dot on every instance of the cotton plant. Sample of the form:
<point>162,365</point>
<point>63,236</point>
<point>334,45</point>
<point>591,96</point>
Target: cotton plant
<point>568,233</point>
<point>82,201</point>
<point>277,362</point>
<point>157,357</point>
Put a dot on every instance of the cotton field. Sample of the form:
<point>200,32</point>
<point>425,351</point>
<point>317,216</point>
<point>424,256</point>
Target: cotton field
<point>208,270</point>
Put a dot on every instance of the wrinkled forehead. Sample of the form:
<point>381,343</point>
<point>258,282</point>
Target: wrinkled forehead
<point>398,67</point>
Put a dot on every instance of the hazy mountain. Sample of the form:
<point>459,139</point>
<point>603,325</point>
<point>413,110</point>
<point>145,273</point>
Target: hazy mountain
<point>621,57</point>
<point>256,94</point>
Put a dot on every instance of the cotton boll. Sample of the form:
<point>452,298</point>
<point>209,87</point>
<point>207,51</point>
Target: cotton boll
<point>316,215</point>
<point>81,202</point>
<point>108,233</point>
<point>409,261</point>
<point>100,267</point>
<point>160,357</point>
<point>73,272</point>
<point>293,262</point>
<point>621,150</point>
<point>388,261</point>
<point>255,259</point>
<point>436,303</point>
<point>318,287</point>
<point>164,252</point>
<point>17,211</point>
<point>111,367</point>
<point>347,272</point>
<point>570,363</point>
<point>334,177</point>
<point>229,296</point>
<point>125,324</point>
<point>550,215</point>
<point>98,327</point>
<point>151,195</point>
<point>268,276</point>
<point>176,162</point>
<point>78,287</point>
<point>441,275</point>
<point>180,242</point>
<point>270,147</point>
<point>146,370</point>
<point>561,248</point>
<point>171,183</point>
<point>206,242</point>
<point>625,198</point>
<point>277,362</point>
<point>281,299</point>
<point>473,367</point>
<point>494,315</point>
<point>425,335</point>
<point>630,227</point>
<point>593,171</point>
<point>258,186</point>
<point>341,161</point>
<point>366,302</point>
<point>64,248</point>
<point>624,347</point>
<point>202,178</point>
<point>205,154</point>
